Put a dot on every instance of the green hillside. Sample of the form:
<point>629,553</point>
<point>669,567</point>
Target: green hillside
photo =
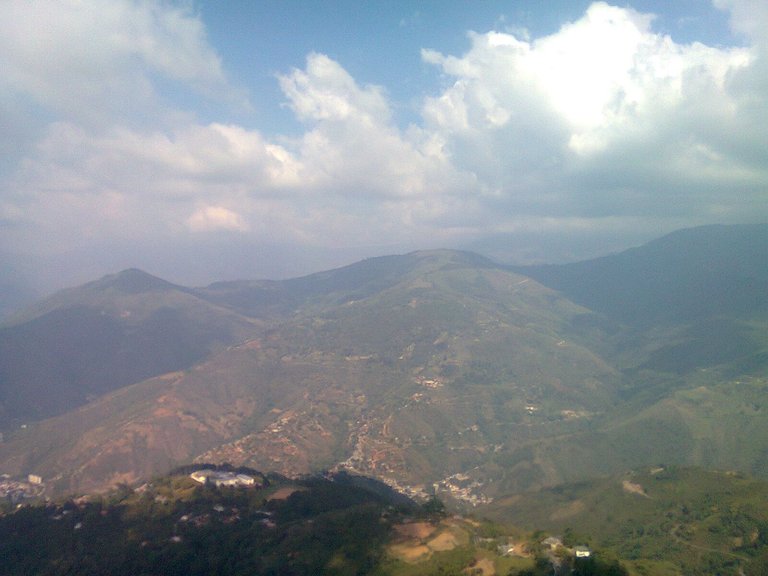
<point>176,526</point>
<point>332,524</point>
<point>659,520</point>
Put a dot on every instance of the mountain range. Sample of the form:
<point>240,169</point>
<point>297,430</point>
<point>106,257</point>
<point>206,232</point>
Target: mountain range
<point>437,370</point>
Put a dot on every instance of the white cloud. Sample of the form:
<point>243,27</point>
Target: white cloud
<point>325,91</point>
<point>210,218</point>
<point>352,148</point>
<point>748,17</point>
<point>367,184</point>
<point>158,177</point>
<point>90,60</point>
<point>604,124</point>
<point>603,117</point>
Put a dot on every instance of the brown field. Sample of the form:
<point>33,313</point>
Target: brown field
<point>417,530</point>
<point>410,553</point>
<point>443,541</point>
<point>412,547</point>
<point>284,493</point>
<point>486,565</point>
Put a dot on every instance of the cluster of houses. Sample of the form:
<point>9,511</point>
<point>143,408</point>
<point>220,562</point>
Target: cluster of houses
<point>463,487</point>
<point>17,491</point>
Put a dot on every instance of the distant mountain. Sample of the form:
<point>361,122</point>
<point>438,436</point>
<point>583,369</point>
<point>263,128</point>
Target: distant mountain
<point>435,369</point>
<point>698,297</point>
<point>697,273</point>
<point>13,296</point>
<point>411,377</point>
<point>270,299</point>
<point>86,341</point>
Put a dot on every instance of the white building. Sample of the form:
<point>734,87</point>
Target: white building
<point>582,552</point>
<point>218,478</point>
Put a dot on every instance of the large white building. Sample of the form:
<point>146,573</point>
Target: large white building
<point>218,478</point>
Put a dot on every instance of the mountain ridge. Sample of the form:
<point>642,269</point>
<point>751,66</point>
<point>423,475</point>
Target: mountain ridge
<point>131,281</point>
<point>445,334</point>
<point>88,340</point>
<point>688,273</point>
<point>434,368</point>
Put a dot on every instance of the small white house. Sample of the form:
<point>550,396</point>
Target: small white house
<point>582,552</point>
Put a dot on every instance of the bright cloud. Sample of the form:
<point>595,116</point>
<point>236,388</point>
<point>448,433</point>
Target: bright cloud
<point>325,91</point>
<point>91,60</point>
<point>603,117</point>
<point>209,218</point>
<point>352,148</point>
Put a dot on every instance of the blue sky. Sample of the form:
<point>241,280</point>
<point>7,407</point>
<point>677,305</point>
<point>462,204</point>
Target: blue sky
<point>380,42</point>
<point>217,140</point>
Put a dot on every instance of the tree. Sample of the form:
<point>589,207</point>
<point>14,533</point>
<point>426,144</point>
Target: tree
<point>434,507</point>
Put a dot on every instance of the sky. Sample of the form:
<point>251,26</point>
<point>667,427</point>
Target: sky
<point>214,140</point>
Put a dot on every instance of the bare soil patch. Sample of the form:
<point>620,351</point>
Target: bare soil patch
<point>486,565</point>
<point>418,530</point>
<point>284,493</point>
<point>632,488</point>
<point>410,553</point>
<point>414,547</point>
<point>443,541</point>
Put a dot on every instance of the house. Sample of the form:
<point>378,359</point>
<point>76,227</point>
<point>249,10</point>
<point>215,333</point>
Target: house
<point>245,480</point>
<point>508,549</point>
<point>582,552</point>
<point>201,476</point>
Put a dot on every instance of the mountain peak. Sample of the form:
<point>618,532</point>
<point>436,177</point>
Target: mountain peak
<point>454,257</point>
<point>133,281</point>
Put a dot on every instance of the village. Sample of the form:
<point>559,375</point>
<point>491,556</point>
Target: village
<point>15,491</point>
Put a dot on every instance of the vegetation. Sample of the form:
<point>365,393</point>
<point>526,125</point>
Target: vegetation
<point>340,525</point>
<point>662,520</point>
<point>176,526</point>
